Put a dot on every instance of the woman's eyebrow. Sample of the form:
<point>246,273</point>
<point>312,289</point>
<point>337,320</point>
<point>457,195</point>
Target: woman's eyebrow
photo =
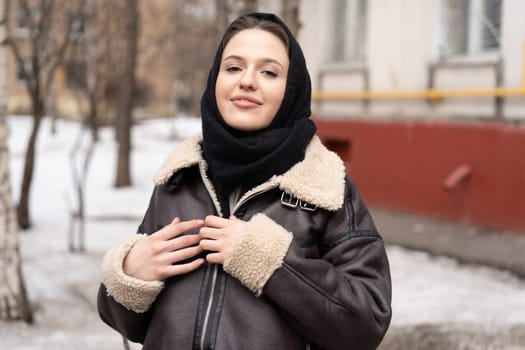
<point>264,60</point>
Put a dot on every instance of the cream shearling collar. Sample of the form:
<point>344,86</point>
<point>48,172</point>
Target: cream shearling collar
<point>319,179</point>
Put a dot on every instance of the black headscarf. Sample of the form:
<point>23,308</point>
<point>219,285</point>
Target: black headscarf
<point>238,158</point>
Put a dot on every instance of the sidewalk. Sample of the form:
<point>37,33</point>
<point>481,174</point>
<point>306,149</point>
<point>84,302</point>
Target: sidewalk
<point>503,250</point>
<point>468,306</point>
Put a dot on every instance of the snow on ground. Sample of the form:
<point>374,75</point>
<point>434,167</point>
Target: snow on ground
<point>62,286</point>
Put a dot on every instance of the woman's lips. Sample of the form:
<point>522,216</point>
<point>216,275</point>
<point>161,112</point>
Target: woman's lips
<point>246,102</point>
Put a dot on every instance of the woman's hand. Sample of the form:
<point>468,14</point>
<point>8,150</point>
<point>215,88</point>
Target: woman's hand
<point>155,257</point>
<point>218,236</point>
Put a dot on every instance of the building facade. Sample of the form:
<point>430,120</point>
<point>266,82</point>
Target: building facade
<point>425,100</point>
<point>437,59</point>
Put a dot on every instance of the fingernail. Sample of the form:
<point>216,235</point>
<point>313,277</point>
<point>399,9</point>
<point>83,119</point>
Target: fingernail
<point>200,222</point>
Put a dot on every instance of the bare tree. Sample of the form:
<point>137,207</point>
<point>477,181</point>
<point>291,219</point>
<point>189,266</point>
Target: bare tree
<point>84,53</point>
<point>194,52</point>
<point>227,10</point>
<point>124,107</point>
<point>291,15</point>
<point>194,22</point>
<point>14,304</point>
<point>49,25</point>
<point>13,297</point>
<point>222,16</point>
<point>79,173</point>
<point>247,6</point>
<point>81,64</point>
<point>107,62</point>
<point>91,61</point>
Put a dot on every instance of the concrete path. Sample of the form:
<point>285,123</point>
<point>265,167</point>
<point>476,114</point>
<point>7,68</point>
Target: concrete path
<point>456,287</point>
<point>500,249</point>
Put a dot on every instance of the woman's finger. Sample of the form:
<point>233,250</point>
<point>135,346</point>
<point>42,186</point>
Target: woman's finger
<point>215,258</point>
<point>183,254</point>
<point>215,221</point>
<point>182,242</point>
<point>210,245</point>
<point>180,269</point>
<point>177,228</point>
<point>210,232</point>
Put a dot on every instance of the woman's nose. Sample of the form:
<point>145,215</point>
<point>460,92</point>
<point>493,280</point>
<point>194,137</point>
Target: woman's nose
<point>248,80</point>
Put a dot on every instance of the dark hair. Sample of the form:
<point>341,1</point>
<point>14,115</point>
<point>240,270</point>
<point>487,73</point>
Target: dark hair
<point>251,22</point>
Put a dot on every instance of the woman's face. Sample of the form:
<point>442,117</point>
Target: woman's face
<point>252,79</point>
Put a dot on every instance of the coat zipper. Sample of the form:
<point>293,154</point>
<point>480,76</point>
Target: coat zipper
<point>211,298</point>
<point>208,307</point>
<point>244,200</point>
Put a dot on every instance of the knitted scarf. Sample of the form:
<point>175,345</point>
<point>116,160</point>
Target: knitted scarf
<point>240,159</point>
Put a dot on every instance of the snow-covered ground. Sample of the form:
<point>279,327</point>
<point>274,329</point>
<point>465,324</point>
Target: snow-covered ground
<point>62,286</point>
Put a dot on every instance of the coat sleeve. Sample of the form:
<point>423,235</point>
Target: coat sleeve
<point>128,319</point>
<point>341,301</point>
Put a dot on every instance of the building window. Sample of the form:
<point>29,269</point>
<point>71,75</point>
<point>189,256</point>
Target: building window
<point>20,78</point>
<point>491,32</point>
<point>348,34</point>
<point>75,23</point>
<point>22,19</point>
<point>76,75</point>
<point>471,26</point>
<point>26,16</point>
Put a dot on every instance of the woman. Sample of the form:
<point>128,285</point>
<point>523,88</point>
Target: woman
<point>254,237</point>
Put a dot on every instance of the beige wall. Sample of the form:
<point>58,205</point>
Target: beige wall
<point>403,40</point>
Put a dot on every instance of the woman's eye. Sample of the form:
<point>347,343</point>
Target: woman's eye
<point>233,69</point>
<point>270,73</point>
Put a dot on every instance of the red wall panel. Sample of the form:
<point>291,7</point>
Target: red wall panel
<point>404,165</point>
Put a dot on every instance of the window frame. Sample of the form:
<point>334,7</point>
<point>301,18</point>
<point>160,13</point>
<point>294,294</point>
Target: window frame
<point>474,50</point>
<point>20,81</point>
<point>354,51</point>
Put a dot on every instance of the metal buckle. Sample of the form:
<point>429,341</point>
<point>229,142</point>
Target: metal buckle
<point>307,206</point>
<point>288,200</point>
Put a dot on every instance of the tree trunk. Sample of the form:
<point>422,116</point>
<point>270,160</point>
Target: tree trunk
<point>221,18</point>
<point>248,6</point>
<point>91,63</point>
<point>24,219</point>
<point>125,97</point>
<point>291,15</point>
<point>92,118</point>
<point>14,304</point>
<point>45,46</point>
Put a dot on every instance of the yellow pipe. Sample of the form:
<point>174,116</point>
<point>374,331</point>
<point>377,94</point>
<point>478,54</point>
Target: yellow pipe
<point>432,94</point>
<point>523,69</point>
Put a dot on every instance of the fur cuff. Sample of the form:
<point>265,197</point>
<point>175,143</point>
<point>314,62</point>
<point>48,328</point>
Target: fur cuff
<point>258,252</point>
<point>132,293</point>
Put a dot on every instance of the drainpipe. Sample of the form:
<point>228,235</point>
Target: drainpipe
<point>523,69</point>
